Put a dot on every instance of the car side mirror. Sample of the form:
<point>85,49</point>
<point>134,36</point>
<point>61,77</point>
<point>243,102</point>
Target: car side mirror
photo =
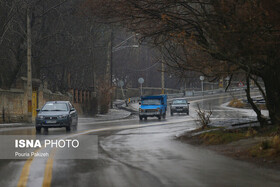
<point>188,103</point>
<point>38,110</point>
<point>72,109</point>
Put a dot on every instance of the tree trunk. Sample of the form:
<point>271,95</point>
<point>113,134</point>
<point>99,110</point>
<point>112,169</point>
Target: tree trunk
<point>260,117</point>
<point>272,85</point>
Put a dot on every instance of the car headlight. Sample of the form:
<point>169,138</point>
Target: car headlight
<point>41,117</point>
<point>63,116</point>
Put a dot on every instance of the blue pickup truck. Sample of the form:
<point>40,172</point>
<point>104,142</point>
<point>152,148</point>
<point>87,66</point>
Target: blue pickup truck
<point>153,106</point>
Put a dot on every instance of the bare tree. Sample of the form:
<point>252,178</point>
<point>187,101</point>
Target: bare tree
<point>230,36</point>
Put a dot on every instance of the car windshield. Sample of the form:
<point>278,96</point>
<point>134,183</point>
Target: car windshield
<point>151,102</point>
<point>180,102</point>
<point>55,107</point>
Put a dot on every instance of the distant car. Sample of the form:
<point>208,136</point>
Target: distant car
<point>56,114</point>
<point>179,106</point>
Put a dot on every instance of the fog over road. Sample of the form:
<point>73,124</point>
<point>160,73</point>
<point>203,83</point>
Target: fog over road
<point>134,153</point>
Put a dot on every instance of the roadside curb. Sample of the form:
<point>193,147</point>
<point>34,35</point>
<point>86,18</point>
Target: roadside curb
<point>11,125</point>
<point>132,111</point>
<point>247,112</point>
<point>127,108</point>
<point>120,118</point>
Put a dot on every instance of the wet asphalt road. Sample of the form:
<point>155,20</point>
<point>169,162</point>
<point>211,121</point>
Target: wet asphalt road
<point>133,153</point>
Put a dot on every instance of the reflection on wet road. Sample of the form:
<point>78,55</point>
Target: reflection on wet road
<point>133,153</point>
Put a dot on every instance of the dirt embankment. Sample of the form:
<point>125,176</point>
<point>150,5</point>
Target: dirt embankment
<point>260,146</point>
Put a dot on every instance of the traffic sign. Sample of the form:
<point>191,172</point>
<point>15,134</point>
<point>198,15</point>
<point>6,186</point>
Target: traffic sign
<point>121,83</point>
<point>141,80</point>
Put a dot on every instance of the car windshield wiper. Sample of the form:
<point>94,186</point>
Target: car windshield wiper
<point>45,110</point>
<point>59,110</point>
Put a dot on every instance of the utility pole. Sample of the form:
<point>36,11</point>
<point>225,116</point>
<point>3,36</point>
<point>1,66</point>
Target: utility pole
<point>29,70</point>
<point>111,56</point>
<point>109,59</point>
<point>202,85</point>
<point>202,88</point>
<point>109,69</point>
<point>162,78</point>
<point>185,87</point>
<point>162,75</point>
<point>93,73</point>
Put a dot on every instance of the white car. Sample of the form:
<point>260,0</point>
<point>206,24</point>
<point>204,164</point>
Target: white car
<point>179,106</point>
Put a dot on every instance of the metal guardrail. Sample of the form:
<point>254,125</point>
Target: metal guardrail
<point>134,100</point>
<point>192,94</point>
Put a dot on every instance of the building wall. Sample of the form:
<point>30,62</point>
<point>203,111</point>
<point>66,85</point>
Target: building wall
<point>13,107</point>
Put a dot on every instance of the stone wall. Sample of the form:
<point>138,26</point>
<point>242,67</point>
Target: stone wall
<point>13,102</point>
<point>12,106</point>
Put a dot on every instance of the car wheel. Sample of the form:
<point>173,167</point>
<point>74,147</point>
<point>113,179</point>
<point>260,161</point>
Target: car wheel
<point>159,117</point>
<point>38,129</point>
<point>46,128</point>
<point>68,128</point>
<point>74,128</point>
<point>140,118</point>
<point>146,118</point>
<point>188,112</point>
<point>171,113</point>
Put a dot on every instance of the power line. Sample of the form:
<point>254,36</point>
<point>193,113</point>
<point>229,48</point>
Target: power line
<point>145,68</point>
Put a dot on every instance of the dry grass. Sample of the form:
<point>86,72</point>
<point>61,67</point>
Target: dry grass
<point>236,103</point>
<point>260,145</point>
<point>262,106</point>
<point>221,137</point>
<point>251,133</point>
<point>270,147</point>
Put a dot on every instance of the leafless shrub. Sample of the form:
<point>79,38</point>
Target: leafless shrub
<point>105,91</point>
<point>203,117</point>
<point>90,108</point>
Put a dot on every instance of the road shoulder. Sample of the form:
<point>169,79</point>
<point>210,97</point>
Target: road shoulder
<point>113,114</point>
<point>248,142</point>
